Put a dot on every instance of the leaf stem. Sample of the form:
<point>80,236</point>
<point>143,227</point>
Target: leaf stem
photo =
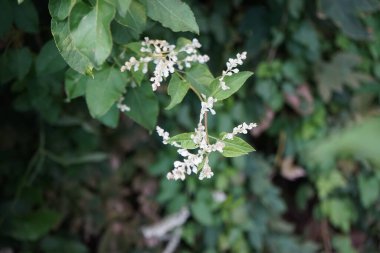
<point>191,87</point>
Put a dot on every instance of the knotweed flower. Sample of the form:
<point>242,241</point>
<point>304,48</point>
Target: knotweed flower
<point>232,68</point>
<point>165,57</point>
<point>198,161</point>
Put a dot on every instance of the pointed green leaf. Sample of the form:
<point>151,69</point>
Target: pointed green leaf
<point>20,61</point>
<point>49,60</point>
<point>75,84</point>
<point>90,29</point>
<point>340,211</point>
<point>234,82</point>
<point>34,225</point>
<point>177,90</point>
<point>173,14</point>
<point>327,183</point>
<point>202,213</point>
<point>236,147</point>
<point>347,16</point>
<point>200,77</point>
<point>111,118</point>
<point>134,19</point>
<point>104,90</point>
<point>60,9</point>
<point>69,51</point>
<point>26,17</point>
<point>332,76</point>
<point>343,243</point>
<point>184,140</point>
<point>369,190</point>
<point>122,6</point>
<point>143,104</point>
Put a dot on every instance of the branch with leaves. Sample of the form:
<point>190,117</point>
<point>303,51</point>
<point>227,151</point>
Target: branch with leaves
<point>171,60</point>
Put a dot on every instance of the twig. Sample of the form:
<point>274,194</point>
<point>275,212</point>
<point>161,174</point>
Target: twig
<point>281,148</point>
<point>326,236</point>
<point>174,241</point>
<point>160,229</point>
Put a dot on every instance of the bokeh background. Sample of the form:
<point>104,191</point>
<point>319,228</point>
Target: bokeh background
<point>70,184</point>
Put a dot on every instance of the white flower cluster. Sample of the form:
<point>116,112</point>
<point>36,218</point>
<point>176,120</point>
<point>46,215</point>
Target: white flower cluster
<point>240,129</point>
<point>193,162</point>
<point>165,57</point>
<point>232,68</point>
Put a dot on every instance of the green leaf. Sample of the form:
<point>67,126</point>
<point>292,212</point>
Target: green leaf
<point>143,104</point>
<point>6,17</point>
<point>120,34</point>
<point>122,6</point>
<point>369,190</point>
<point>347,16</point>
<point>34,225</point>
<point>173,14</point>
<point>177,90</point>
<point>184,140</point>
<point>75,84</point>
<point>235,82</point>
<point>343,244</point>
<point>236,147</point>
<point>26,17</point>
<point>134,19</point>
<point>49,60</point>
<point>134,47</point>
<point>295,8</point>
<point>181,42</point>
<point>55,244</point>
<point>6,74</point>
<point>331,76</point>
<point>42,97</point>
<point>90,30</point>
<point>327,183</point>
<point>20,61</point>
<point>69,51</point>
<point>355,141</point>
<point>111,118</point>
<point>341,212</point>
<point>60,9</point>
<point>200,77</point>
<point>270,93</point>
<point>202,213</point>
<point>104,90</point>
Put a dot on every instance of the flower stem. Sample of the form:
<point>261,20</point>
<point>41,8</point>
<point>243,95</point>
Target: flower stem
<point>206,127</point>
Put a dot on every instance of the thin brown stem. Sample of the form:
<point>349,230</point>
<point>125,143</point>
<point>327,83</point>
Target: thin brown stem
<point>326,236</point>
<point>281,148</point>
<point>206,127</point>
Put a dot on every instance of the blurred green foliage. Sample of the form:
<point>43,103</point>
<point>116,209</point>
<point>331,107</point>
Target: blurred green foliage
<point>71,183</point>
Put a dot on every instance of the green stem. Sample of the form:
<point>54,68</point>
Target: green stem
<point>54,158</point>
<point>191,87</point>
<point>206,126</point>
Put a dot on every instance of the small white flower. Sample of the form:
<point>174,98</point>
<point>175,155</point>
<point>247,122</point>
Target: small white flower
<point>240,129</point>
<point>206,171</point>
<point>165,135</point>
<point>165,58</point>
<point>122,107</point>
<point>232,68</point>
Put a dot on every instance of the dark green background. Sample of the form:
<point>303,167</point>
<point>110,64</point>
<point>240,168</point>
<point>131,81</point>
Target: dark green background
<point>71,184</point>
